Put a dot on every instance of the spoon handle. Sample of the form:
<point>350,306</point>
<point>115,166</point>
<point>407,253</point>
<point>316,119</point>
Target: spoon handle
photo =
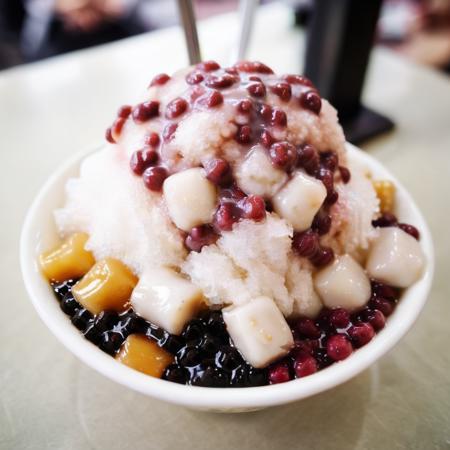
<point>247,9</point>
<point>186,12</point>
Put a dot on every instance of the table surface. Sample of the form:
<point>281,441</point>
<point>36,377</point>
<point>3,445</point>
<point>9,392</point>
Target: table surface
<point>49,399</point>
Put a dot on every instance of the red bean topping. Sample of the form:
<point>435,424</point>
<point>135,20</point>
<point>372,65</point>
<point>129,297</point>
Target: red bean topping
<point>410,229</point>
<point>208,66</point>
<point>376,319</point>
<point>283,155</point>
<point>305,365</point>
<point>265,112</point>
<point>124,111</point>
<point>267,139</point>
<point>212,99</point>
<point>253,208</point>
<point>383,305</point>
<point>226,215</point>
<point>332,336</point>
<point>232,193</point>
<point>244,134</point>
<point>142,159</point>
<point>308,158</point>
<point>311,100</point>
<point>345,174</point>
<point>150,155</point>
<point>279,373</point>
<point>385,220</point>
<point>108,136</point>
<point>137,164</point>
<point>256,89</point>
<point>255,78</point>
<point>169,132</point>
<point>282,90</point>
<point>339,318</point>
<point>306,244</point>
<point>279,118</point>
<point>145,111</point>
<point>329,160</point>
<point>332,198</point>
<point>160,79</point>
<point>152,139</point>
<point>381,290</point>
<point>321,222</point>
<point>326,177</point>
<point>176,108</point>
<point>339,347</point>
<point>200,236</point>
<point>116,128</point>
<point>253,66</point>
<point>245,106</point>
<point>196,92</point>
<point>298,79</point>
<point>194,77</point>
<point>220,81</point>
<point>154,178</point>
<point>218,171</point>
<point>323,257</point>
<point>232,71</point>
<point>361,334</point>
<point>307,328</point>
<point>303,347</point>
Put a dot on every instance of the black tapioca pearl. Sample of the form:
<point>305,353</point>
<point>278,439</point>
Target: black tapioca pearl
<point>176,374</point>
<point>208,345</point>
<point>239,376</point>
<point>82,318</point>
<point>111,341</point>
<point>69,305</point>
<point>61,289</point>
<point>210,377</point>
<point>171,343</point>
<point>105,321</point>
<point>194,331</point>
<point>92,334</point>
<point>257,377</point>
<point>189,356</point>
<point>228,358</point>
<point>155,332</point>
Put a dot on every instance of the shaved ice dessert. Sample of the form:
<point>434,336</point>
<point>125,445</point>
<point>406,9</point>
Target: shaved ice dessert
<point>224,238</point>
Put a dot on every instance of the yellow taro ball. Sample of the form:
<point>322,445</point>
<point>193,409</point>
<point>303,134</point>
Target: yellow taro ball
<point>144,355</point>
<point>68,260</point>
<point>385,191</point>
<point>107,286</point>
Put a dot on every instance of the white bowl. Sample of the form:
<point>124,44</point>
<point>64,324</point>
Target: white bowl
<point>39,233</point>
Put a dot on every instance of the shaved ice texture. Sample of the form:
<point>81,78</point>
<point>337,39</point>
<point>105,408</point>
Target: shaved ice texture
<point>127,221</point>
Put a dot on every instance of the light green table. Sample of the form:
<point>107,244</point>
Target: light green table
<point>49,400</point>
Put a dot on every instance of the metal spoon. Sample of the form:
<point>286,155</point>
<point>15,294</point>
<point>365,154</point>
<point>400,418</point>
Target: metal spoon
<point>187,17</point>
<point>247,9</point>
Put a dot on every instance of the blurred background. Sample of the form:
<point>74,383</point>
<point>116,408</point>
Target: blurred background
<point>31,30</point>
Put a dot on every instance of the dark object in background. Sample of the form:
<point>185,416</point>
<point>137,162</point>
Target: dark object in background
<point>302,11</point>
<point>30,30</point>
<point>340,38</point>
<point>12,13</point>
<point>59,40</point>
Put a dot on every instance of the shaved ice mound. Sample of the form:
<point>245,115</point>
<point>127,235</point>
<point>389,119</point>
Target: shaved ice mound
<point>248,258</point>
<point>223,236</point>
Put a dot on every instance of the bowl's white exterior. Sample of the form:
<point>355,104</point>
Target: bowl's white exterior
<point>39,233</point>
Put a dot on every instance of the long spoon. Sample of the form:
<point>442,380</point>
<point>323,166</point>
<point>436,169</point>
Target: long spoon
<point>187,17</point>
<point>247,9</point>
